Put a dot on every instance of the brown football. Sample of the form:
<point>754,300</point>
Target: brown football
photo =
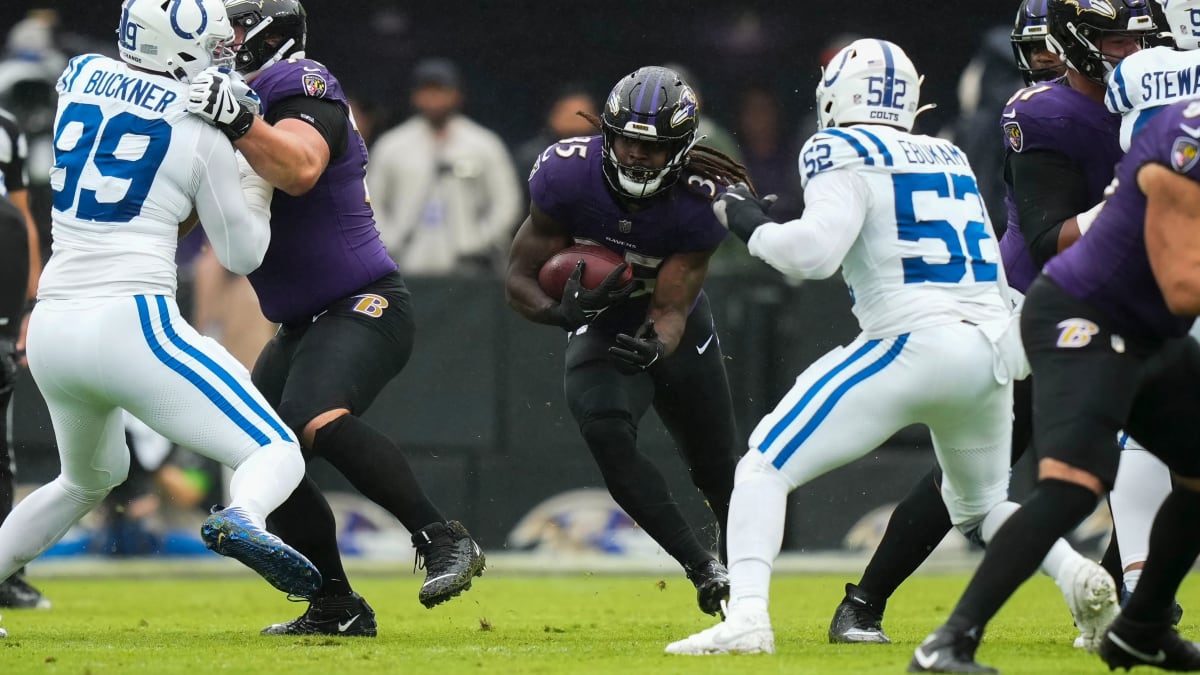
<point>598,262</point>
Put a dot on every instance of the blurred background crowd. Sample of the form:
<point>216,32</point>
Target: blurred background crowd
<point>456,99</point>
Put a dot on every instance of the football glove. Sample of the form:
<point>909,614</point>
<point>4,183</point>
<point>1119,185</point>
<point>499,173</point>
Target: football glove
<point>213,96</point>
<point>581,306</point>
<point>741,211</point>
<point>635,353</point>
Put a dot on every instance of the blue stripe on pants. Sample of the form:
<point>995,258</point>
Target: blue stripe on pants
<point>836,395</point>
<point>192,376</point>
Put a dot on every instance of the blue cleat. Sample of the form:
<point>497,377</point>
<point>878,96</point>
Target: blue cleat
<point>231,533</point>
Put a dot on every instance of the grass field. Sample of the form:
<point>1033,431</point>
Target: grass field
<point>507,624</point>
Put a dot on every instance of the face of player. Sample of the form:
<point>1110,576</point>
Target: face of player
<point>639,153</point>
<point>1116,46</point>
<point>1040,57</point>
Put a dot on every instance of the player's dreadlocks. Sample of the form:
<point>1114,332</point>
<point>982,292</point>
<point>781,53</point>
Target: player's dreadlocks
<point>703,161</point>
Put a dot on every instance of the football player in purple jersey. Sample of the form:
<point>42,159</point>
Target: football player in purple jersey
<point>345,323</point>
<point>1049,139</point>
<point>643,189</point>
<point>1105,327</point>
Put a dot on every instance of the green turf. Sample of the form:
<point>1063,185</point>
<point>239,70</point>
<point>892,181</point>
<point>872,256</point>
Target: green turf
<point>551,625</point>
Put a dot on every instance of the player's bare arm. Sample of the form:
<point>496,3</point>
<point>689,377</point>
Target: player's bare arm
<point>290,154</point>
<point>538,238</point>
<point>1173,235</point>
<point>675,290</point>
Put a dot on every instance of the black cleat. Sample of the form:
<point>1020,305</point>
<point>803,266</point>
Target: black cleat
<point>711,580</point>
<point>949,651</point>
<point>1129,643</point>
<point>16,593</point>
<point>450,558</point>
<point>345,615</point>
<point>859,619</point>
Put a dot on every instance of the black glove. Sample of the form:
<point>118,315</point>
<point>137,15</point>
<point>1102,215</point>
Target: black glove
<point>741,211</point>
<point>635,354</point>
<point>581,306</point>
<point>213,95</point>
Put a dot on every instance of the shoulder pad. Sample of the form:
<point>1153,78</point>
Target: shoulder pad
<point>842,148</point>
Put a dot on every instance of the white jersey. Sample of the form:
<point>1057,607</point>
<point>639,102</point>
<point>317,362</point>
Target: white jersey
<point>902,215</point>
<point>1144,81</point>
<point>129,163</point>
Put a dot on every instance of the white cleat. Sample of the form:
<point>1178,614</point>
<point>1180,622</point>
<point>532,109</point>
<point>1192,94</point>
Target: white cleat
<point>739,633</point>
<point>1092,597</point>
<point>3,633</point>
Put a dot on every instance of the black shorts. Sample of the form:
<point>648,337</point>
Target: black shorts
<point>1089,383</point>
<point>342,358</point>
<point>689,389</point>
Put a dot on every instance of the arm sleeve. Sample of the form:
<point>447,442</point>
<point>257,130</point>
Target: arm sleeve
<point>1048,188</point>
<point>813,246</point>
<point>239,235</point>
<point>327,117</point>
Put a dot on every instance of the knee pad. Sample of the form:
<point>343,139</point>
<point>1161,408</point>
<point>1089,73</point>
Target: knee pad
<point>296,415</point>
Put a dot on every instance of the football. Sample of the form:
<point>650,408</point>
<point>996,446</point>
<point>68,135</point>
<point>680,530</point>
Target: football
<point>598,262</point>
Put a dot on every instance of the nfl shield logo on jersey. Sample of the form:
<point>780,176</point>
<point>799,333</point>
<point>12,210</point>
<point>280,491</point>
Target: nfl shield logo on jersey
<point>1184,154</point>
<point>624,226</point>
<point>314,85</point>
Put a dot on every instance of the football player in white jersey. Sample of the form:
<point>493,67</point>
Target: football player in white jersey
<point>901,215</point>
<point>130,165</point>
<point>1144,82</point>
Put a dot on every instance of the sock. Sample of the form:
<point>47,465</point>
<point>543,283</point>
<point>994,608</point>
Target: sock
<point>8,466</point>
<point>1173,550</point>
<point>756,520</point>
<point>1111,560</point>
<point>265,479</point>
<point>1131,579</point>
<point>1142,484</point>
<point>376,467</point>
<point>917,526</point>
<point>1018,547</point>
<point>41,519</point>
<point>306,523</point>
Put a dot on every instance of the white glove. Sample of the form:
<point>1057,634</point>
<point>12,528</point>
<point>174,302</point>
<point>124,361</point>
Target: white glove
<point>212,96</point>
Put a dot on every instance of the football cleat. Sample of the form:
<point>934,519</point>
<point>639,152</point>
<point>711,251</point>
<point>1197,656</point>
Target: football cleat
<point>15,592</point>
<point>1129,643</point>
<point>711,580</point>
<point>450,558</point>
<point>1092,597</point>
<point>949,651</point>
<point>231,533</point>
<point>345,616</point>
<point>3,633</point>
<point>859,619</point>
<point>740,633</point>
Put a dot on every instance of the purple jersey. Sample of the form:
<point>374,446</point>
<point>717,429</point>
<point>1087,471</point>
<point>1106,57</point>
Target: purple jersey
<point>324,244</point>
<point>1108,268</point>
<point>568,183</point>
<point>1053,116</point>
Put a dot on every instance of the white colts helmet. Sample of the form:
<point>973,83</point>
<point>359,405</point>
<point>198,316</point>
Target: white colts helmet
<point>178,38</point>
<point>1183,19</point>
<point>869,82</point>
